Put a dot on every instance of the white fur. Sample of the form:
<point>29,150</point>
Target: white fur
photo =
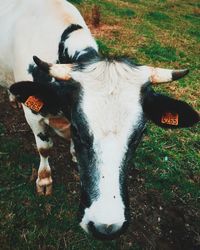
<point>35,27</point>
<point>111,104</point>
<point>80,39</point>
<point>36,122</point>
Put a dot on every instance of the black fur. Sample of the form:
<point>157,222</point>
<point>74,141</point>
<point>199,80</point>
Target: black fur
<point>90,53</point>
<point>156,105</point>
<point>43,137</point>
<point>39,75</point>
<point>63,54</point>
<point>69,30</point>
<point>133,142</point>
<point>42,65</point>
<point>83,142</point>
<point>56,97</point>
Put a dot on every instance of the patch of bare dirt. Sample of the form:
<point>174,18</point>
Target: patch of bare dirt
<point>103,29</point>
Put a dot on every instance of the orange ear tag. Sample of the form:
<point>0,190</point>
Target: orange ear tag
<point>170,119</point>
<point>34,103</point>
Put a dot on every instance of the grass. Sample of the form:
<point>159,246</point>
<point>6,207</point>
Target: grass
<point>193,18</point>
<point>159,33</point>
<point>103,48</point>
<point>76,1</point>
<point>171,166</point>
<point>157,52</point>
<point>132,1</point>
<point>114,9</point>
<point>31,222</point>
<point>158,18</point>
<point>195,34</point>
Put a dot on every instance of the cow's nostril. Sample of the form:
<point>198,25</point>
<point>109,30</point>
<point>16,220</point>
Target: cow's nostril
<point>109,228</point>
<point>106,230</point>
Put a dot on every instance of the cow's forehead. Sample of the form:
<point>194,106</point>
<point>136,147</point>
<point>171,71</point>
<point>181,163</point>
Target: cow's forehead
<point>114,112</point>
<point>109,75</point>
<point>111,98</point>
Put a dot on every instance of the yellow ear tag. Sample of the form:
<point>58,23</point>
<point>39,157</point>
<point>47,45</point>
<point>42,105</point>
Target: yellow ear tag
<point>170,119</point>
<point>34,103</point>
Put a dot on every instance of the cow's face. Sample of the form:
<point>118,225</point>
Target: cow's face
<point>108,116</point>
<point>107,123</point>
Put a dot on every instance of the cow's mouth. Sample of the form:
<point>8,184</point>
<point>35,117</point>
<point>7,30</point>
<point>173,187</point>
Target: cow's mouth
<point>105,232</point>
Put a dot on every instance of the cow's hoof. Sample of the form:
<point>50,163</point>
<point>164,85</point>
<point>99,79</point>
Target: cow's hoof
<point>44,186</point>
<point>44,190</point>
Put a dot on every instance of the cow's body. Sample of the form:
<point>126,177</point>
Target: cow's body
<point>106,101</point>
<point>44,28</point>
<point>35,27</point>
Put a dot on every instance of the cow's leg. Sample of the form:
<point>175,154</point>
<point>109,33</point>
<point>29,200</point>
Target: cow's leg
<point>44,144</point>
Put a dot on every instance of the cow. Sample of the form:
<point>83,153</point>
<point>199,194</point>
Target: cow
<point>55,30</point>
<point>107,103</point>
<point>103,104</point>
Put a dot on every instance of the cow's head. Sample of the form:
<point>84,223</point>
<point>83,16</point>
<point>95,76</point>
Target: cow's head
<point>111,102</point>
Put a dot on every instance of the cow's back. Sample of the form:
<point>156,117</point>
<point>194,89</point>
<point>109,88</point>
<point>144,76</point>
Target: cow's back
<point>9,14</point>
<point>30,28</point>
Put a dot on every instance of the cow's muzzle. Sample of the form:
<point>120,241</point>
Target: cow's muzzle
<point>105,231</point>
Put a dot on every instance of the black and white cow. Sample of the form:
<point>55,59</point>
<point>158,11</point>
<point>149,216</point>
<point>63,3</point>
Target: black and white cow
<point>107,103</point>
<point>104,103</point>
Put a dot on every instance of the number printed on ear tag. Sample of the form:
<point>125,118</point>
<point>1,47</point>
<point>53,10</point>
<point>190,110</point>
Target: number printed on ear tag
<point>34,103</point>
<point>170,119</point>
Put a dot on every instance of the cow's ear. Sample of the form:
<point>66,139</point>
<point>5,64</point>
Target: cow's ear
<point>167,112</point>
<point>38,97</point>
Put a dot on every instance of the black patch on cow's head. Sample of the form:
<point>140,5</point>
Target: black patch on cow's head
<point>133,142</point>
<point>83,143</point>
<point>85,55</point>
<point>57,97</point>
<point>155,106</point>
<point>23,90</point>
<point>39,75</point>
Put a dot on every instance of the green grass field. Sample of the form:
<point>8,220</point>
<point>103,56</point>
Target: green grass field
<point>166,178</point>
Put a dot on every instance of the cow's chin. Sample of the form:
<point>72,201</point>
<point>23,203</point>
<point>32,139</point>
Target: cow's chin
<point>103,231</point>
<point>90,228</point>
<point>105,218</point>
